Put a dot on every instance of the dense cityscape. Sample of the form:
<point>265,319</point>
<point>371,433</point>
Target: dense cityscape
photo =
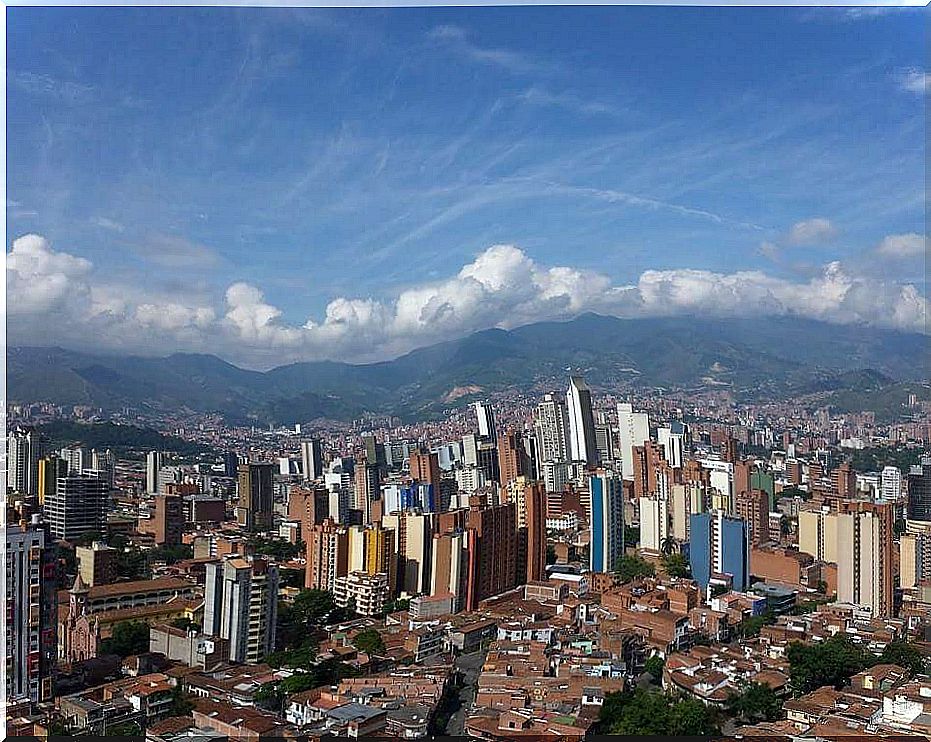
<point>556,565</point>
<point>490,371</point>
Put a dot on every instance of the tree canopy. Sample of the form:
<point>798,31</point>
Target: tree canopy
<point>832,662</point>
<point>128,638</point>
<point>755,703</point>
<point>630,567</point>
<point>644,712</point>
<point>676,565</point>
<point>369,641</point>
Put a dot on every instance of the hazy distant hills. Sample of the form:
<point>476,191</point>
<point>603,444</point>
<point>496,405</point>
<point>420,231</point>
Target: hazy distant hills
<point>754,358</point>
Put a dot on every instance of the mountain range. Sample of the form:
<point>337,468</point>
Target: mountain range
<point>754,358</point>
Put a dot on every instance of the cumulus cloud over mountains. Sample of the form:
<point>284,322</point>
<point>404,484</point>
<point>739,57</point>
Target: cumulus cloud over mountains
<point>57,298</point>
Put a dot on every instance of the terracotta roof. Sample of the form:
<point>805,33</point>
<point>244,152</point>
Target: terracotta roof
<point>139,586</point>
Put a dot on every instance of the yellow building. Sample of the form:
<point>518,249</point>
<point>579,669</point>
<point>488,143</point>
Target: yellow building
<point>817,534</point>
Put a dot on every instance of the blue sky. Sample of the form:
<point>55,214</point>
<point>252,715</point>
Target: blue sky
<point>278,184</point>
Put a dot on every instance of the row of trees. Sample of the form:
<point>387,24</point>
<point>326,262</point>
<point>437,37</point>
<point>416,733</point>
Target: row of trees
<point>630,566</point>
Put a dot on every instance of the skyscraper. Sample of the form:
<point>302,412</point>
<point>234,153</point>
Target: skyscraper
<point>535,525</point>
<point>719,545</point>
<point>23,460</point>
<point>864,556</point>
<point>654,521</point>
<point>413,539</point>
<point>890,484</point>
<point>672,439</point>
<point>311,459</point>
<point>327,554</point>
<point>367,489</point>
<point>425,468</point>
<point>582,445</point>
<point>633,430</point>
<point>915,554</point>
<point>919,490</point>
<point>241,605</point>
<point>256,496</point>
<point>606,526</point>
<point>78,506</point>
<point>153,463</point>
<point>753,507</point>
<point>31,613</point>
<point>50,469</point>
<point>551,427</point>
<point>512,458</point>
<point>492,535</point>
<point>486,422</point>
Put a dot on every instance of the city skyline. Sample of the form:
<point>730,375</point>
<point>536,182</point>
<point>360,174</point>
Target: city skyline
<point>313,193</point>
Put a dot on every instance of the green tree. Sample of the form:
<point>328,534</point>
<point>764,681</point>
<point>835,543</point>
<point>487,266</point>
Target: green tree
<point>128,638</point>
<point>676,565</point>
<point>832,662</point>
<point>369,641</point>
<point>692,718</point>
<point>755,703</point>
<point>181,703</point>
<point>125,729</point>
<point>905,655</point>
<point>654,666</point>
<point>750,627</point>
<point>647,712</point>
<point>630,567</point>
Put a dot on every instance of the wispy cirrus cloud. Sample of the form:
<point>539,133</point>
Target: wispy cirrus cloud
<point>458,40</point>
<point>540,96</point>
<point>914,80</point>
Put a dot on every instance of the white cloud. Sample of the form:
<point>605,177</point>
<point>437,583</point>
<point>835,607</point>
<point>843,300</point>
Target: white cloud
<point>457,39</point>
<point>812,231</point>
<point>55,297</point>
<point>914,80</point>
<point>902,245</point>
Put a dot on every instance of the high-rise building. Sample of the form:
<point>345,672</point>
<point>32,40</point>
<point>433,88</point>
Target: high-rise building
<point>22,456</point>
<point>633,430</point>
<point>555,475</point>
<point>78,458</point>
<point>915,554</point>
<point>582,445</point>
<point>413,539</point>
<point>654,521</point>
<point>31,617</point>
<point>492,535</point>
<point>230,464</point>
<point>308,506</point>
<point>686,499</point>
<point>719,546</point>
<point>753,507</point>
<point>79,506</point>
<point>817,533</point>
<point>97,564</point>
<point>425,468</point>
<point>367,489</point>
<point>890,487</point>
<point>327,555</point>
<point>241,605</point>
<point>673,441</point>
<point>153,464</point>
<point>652,473</point>
<point>534,529</point>
<point>606,527</point>
<point>486,422</point>
<point>168,520</point>
<point>256,496</point>
<point>844,481</point>
<point>365,593</point>
<point>551,428</point>
<point>864,556</point>
<point>50,469</point>
<point>919,490</point>
<point>311,459</point>
<point>512,458</point>
<point>450,563</point>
